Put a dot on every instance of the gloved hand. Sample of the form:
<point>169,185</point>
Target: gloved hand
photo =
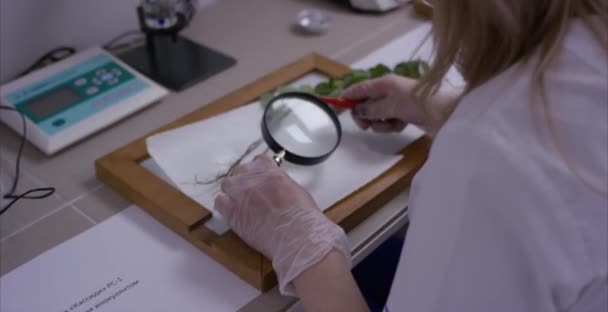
<point>388,104</point>
<point>276,216</point>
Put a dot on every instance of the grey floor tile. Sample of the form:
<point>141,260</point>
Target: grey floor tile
<point>40,237</point>
<point>71,172</point>
<point>24,211</point>
<point>102,204</point>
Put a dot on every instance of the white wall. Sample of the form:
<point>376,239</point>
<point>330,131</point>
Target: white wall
<point>29,28</point>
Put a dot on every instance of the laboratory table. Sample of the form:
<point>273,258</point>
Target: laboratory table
<point>259,35</point>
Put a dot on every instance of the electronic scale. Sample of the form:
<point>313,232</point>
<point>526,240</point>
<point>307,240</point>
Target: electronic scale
<point>71,99</point>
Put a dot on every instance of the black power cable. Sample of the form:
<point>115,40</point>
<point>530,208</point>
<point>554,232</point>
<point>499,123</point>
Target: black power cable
<point>50,57</point>
<point>36,193</point>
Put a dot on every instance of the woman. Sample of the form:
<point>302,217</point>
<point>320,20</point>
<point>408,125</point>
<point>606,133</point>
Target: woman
<point>510,212</point>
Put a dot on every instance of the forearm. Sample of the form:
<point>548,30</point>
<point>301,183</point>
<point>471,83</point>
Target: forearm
<point>329,286</point>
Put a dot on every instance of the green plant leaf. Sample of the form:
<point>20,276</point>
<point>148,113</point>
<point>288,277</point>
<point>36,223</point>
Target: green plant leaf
<point>336,83</point>
<point>337,92</point>
<point>323,88</point>
<point>407,69</point>
<point>306,89</point>
<point>379,71</point>
<point>335,86</point>
<point>265,98</point>
<point>355,76</point>
<point>285,89</point>
<point>424,68</point>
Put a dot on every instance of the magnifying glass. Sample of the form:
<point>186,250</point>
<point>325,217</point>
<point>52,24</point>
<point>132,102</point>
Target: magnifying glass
<point>300,128</point>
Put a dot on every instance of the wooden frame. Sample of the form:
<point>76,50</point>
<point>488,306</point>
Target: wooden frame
<point>424,7</point>
<point>122,171</point>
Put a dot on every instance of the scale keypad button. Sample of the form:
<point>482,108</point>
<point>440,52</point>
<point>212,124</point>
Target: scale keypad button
<point>80,82</point>
<point>96,81</point>
<point>92,90</point>
<point>100,71</point>
<point>116,71</point>
<point>59,122</point>
<point>113,81</point>
<point>107,76</point>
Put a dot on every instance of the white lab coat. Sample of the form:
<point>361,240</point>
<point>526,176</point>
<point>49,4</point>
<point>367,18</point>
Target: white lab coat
<point>498,220</point>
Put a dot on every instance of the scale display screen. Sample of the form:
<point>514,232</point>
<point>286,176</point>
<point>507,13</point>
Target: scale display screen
<point>53,102</point>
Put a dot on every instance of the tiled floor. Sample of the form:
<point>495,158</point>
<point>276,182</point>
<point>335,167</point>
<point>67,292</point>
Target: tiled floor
<point>31,227</point>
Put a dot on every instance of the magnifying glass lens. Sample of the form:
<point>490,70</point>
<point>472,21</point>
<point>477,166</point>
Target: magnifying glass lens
<point>302,127</point>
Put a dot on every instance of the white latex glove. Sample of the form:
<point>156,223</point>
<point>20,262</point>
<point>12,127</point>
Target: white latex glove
<point>388,104</point>
<point>277,217</point>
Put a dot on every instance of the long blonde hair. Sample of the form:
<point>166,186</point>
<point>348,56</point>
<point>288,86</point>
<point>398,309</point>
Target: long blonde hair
<point>485,37</point>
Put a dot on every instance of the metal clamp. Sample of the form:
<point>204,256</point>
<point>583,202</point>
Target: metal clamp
<point>278,158</point>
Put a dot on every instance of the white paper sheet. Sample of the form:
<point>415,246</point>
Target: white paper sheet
<point>201,150</point>
<point>128,263</point>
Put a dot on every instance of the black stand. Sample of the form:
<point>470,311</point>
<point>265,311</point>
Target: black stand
<point>173,61</point>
